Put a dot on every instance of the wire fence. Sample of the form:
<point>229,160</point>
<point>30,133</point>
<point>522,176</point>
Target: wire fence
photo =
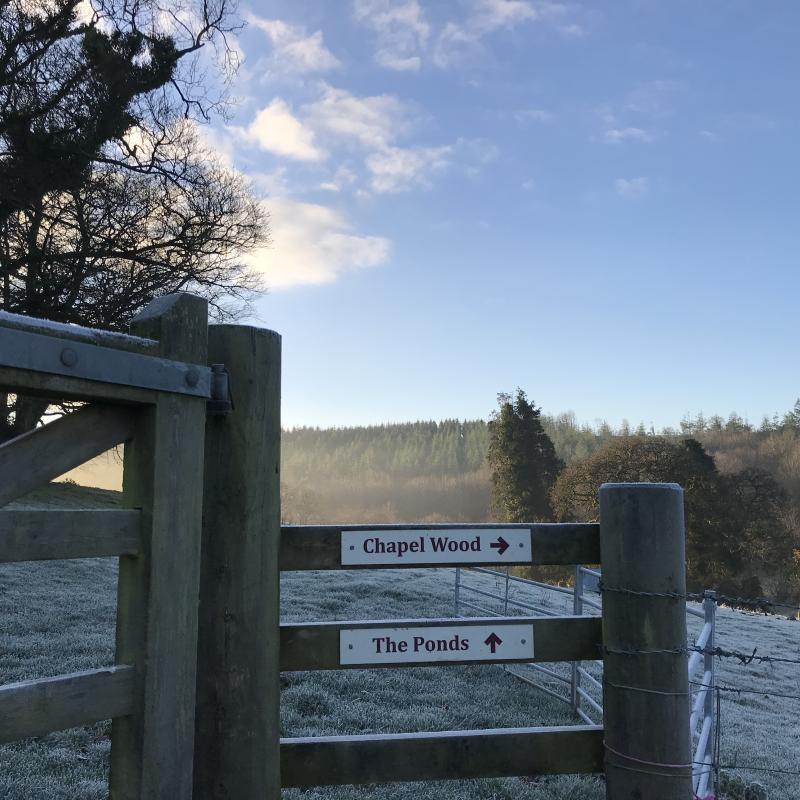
<point>715,768</point>
<point>582,686</point>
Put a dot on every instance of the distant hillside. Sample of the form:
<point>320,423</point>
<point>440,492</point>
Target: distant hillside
<point>412,472</point>
<point>428,471</point>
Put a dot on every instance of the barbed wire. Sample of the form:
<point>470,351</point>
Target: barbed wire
<point>720,652</point>
<point>602,589</point>
<point>737,690</point>
<point>757,603</point>
<point>744,658</point>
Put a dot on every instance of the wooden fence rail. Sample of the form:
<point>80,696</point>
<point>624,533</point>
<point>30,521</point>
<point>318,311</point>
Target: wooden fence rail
<point>27,535</point>
<point>34,708</point>
<point>500,753</point>
<point>312,547</point>
<point>317,645</point>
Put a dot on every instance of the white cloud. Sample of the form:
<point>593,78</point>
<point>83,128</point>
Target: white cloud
<point>491,15</point>
<point>459,41</point>
<point>293,49</point>
<point>313,244</point>
<point>370,121</point>
<point>398,63</point>
<point>397,169</point>
<point>631,188</point>
<point>84,12</point>
<point>619,135</point>
<point>279,131</point>
<point>400,29</point>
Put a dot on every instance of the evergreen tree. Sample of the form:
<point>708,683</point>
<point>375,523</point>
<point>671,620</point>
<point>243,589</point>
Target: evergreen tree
<point>522,459</point>
<point>792,418</point>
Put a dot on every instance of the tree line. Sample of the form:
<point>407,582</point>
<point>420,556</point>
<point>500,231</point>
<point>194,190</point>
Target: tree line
<point>742,481</point>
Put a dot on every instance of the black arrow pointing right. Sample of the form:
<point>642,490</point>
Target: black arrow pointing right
<point>501,545</point>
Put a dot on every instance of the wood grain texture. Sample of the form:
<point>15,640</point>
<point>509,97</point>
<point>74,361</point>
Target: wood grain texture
<point>238,683</point>
<point>336,760</point>
<point>55,534</point>
<point>151,750</point>
<point>316,645</point>
<point>34,708</point>
<point>642,539</point>
<point>309,547</point>
<point>38,456</point>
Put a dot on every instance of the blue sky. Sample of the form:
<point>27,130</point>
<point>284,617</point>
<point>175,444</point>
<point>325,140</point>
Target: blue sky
<point>595,202</point>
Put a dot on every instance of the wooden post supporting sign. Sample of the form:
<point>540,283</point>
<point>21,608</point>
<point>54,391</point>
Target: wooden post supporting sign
<point>237,747</point>
<point>646,700</point>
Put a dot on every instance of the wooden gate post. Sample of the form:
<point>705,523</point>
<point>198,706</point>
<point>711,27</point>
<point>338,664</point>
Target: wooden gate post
<point>646,700</point>
<point>151,750</point>
<point>237,747</point>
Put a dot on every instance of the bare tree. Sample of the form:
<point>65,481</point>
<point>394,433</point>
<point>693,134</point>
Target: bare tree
<point>108,197</point>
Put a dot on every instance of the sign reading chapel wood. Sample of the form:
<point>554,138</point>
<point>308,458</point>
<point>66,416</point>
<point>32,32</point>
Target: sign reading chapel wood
<point>436,546</point>
<point>469,643</point>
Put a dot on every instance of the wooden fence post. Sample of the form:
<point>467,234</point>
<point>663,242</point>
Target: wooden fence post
<point>237,747</point>
<point>646,700</point>
<point>151,751</point>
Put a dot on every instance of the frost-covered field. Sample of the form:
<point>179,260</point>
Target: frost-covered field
<point>59,617</point>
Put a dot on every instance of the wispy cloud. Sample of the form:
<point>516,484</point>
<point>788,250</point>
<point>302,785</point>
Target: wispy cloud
<point>372,121</point>
<point>312,245</point>
<point>276,129</point>
<point>400,29</point>
<point>458,41</point>
<point>631,188</point>
<point>397,169</point>
<point>293,49</point>
<point>619,135</point>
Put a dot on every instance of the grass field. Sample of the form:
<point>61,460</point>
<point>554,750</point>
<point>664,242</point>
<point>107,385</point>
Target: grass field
<point>59,617</point>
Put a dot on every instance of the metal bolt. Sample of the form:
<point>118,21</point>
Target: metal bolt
<point>69,358</point>
<point>192,377</point>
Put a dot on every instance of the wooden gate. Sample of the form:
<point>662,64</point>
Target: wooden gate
<point>214,687</point>
<point>148,392</point>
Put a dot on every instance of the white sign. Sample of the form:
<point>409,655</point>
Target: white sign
<point>442,546</point>
<point>499,642</point>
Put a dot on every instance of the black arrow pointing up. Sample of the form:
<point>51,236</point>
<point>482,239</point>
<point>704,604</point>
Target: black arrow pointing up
<point>493,640</point>
<point>501,545</point>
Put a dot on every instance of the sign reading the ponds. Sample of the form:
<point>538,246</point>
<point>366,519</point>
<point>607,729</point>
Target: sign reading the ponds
<point>498,642</point>
<point>436,546</point>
